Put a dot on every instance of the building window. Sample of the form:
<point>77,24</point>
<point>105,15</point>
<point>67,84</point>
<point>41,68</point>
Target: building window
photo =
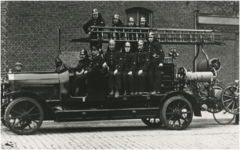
<point>137,13</point>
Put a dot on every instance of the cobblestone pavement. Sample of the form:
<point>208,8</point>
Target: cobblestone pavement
<point>203,133</point>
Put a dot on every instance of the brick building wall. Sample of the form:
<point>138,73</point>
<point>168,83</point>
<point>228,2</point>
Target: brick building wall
<point>30,30</point>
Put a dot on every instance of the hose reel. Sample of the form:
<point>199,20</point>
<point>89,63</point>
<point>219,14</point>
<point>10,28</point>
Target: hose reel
<point>184,76</point>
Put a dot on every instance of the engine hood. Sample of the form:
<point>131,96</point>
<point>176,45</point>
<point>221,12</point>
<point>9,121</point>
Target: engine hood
<point>34,78</point>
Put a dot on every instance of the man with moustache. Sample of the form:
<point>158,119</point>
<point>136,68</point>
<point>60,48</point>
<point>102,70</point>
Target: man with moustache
<point>142,64</point>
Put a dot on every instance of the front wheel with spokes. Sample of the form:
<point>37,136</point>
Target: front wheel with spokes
<point>24,116</point>
<point>176,113</point>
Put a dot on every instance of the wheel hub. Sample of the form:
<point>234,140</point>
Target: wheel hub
<point>177,113</point>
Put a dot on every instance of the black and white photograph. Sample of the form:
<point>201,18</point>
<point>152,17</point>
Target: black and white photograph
<point>120,74</point>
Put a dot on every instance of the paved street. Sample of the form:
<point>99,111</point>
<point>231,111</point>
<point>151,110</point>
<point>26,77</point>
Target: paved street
<point>203,133</point>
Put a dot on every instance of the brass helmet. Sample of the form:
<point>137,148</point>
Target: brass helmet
<point>131,19</point>
<point>95,11</point>
<point>140,42</point>
<point>143,19</point>
<point>151,34</point>
<point>112,42</point>
<point>127,44</point>
<point>18,64</point>
<point>115,16</point>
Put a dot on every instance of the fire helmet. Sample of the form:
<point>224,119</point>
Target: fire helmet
<point>140,42</point>
<point>112,42</point>
<point>115,16</point>
<point>95,11</point>
<point>18,64</point>
<point>131,19</point>
<point>143,19</point>
<point>127,44</point>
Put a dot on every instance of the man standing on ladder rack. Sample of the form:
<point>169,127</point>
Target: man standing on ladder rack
<point>96,20</point>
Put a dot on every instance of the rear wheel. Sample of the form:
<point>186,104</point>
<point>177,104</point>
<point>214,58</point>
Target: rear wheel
<point>176,113</point>
<point>223,117</point>
<point>230,99</point>
<point>152,122</point>
<point>24,116</point>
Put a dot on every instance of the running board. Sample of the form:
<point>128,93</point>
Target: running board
<point>105,114</point>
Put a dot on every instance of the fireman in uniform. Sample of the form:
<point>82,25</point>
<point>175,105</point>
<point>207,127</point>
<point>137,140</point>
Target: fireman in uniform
<point>129,64</point>
<point>116,22</point>
<point>142,64</point>
<point>96,20</point>
<point>97,60</point>
<point>131,24</point>
<point>156,62</point>
<point>143,24</point>
<point>113,60</point>
<point>79,84</point>
<point>18,67</point>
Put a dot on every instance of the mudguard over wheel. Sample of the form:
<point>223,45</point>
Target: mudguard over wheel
<point>176,113</point>
<point>24,116</point>
<point>152,122</point>
<point>3,108</point>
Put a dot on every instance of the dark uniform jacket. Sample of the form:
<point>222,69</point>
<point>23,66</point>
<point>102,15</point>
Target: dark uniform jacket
<point>96,63</point>
<point>114,60</point>
<point>119,24</point>
<point>94,22</point>
<point>83,64</point>
<point>155,51</point>
<point>129,61</point>
<point>142,60</point>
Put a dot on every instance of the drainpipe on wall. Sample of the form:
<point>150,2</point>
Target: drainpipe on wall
<point>196,12</point>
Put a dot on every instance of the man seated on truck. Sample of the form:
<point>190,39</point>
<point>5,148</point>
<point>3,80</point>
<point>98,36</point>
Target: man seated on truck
<point>96,20</point>
<point>113,60</point>
<point>129,64</point>
<point>79,84</point>
<point>155,50</point>
<point>142,64</point>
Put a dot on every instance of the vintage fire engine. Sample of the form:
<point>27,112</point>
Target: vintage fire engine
<point>29,98</point>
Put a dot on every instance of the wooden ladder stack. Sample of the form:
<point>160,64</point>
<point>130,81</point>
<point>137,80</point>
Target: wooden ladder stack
<point>163,35</point>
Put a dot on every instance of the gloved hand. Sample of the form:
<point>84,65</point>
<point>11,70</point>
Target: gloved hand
<point>140,72</point>
<point>130,73</point>
<point>115,72</point>
<point>160,65</point>
<point>85,71</point>
<point>104,65</point>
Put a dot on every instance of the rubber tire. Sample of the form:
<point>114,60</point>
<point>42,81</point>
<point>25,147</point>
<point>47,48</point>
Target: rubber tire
<point>155,125</point>
<point>12,104</point>
<point>222,86</point>
<point>164,108</point>
<point>227,109</point>
<point>230,121</point>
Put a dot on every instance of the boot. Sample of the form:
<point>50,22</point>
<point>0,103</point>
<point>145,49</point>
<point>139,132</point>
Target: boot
<point>140,93</point>
<point>116,94</point>
<point>131,93</point>
<point>136,93</point>
<point>125,93</point>
<point>111,93</point>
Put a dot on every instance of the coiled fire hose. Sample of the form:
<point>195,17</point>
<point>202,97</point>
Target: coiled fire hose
<point>199,76</point>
